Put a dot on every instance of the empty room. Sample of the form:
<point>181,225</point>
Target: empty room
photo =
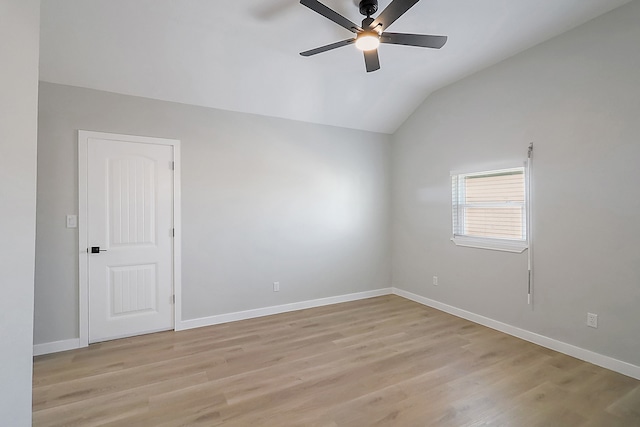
<point>320,213</point>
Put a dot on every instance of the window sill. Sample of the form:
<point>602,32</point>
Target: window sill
<point>491,244</point>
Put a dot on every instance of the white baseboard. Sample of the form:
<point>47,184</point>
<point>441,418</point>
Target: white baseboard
<point>562,347</point>
<point>267,311</point>
<point>579,353</point>
<point>56,346</point>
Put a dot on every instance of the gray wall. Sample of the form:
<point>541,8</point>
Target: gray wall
<point>268,199</point>
<point>19,39</point>
<point>263,200</point>
<point>577,97</point>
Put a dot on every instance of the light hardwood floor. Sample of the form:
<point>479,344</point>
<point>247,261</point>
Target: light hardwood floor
<point>383,361</point>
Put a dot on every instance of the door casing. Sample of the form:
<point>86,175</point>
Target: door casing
<point>83,290</point>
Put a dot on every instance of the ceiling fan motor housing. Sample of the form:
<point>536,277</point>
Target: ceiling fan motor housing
<point>368,7</point>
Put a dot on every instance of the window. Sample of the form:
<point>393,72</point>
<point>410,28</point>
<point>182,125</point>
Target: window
<point>489,209</point>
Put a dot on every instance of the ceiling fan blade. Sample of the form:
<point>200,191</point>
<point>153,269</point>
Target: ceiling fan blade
<point>420,40</point>
<point>371,60</point>
<point>328,47</point>
<point>331,14</point>
<point>395,10</point>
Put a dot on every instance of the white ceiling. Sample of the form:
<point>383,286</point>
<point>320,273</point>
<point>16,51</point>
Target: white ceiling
<point>242,55</point>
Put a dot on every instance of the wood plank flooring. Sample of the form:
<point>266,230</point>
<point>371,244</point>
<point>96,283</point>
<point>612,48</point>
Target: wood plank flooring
<point>382,361</point>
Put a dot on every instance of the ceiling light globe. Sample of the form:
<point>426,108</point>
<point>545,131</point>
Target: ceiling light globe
<point>367,41</point>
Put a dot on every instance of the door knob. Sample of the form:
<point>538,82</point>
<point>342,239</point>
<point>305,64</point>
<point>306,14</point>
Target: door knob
<point>97,250</point>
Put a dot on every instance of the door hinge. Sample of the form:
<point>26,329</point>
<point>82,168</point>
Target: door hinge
<point>173,166</point>
<point>173,298</point>
<point>173,232</point>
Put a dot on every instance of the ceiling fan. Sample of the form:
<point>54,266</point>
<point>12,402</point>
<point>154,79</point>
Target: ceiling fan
<point>372,32</point>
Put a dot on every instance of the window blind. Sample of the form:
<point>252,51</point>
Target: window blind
<point>490,204</point>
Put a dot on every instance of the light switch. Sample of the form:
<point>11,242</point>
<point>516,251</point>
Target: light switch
<point>72,221</point>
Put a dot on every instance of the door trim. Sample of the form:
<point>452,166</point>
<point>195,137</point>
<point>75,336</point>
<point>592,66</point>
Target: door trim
<point>83,289</point>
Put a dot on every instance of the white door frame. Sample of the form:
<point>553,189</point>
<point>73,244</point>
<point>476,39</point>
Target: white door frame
<point>83,291</point>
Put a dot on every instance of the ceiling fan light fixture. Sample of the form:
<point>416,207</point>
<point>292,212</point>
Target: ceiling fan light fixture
<point>368,41</point>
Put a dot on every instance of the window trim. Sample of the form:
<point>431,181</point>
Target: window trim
<point>504,245</point>
<point>492,243</point>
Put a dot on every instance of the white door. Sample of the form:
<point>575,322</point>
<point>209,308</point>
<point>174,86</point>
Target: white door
<point>129,238</point>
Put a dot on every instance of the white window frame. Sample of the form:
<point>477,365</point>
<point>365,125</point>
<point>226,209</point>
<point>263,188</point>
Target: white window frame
<point>497,244</point>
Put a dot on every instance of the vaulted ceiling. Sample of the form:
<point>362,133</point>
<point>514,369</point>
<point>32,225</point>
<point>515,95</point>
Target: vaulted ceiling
<point>243,55</point>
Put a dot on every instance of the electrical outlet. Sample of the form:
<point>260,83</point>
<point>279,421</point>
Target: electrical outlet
<point>276,286</point>
<point>435,280</point>
<point>592,320</point>
<point>72,221</point>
